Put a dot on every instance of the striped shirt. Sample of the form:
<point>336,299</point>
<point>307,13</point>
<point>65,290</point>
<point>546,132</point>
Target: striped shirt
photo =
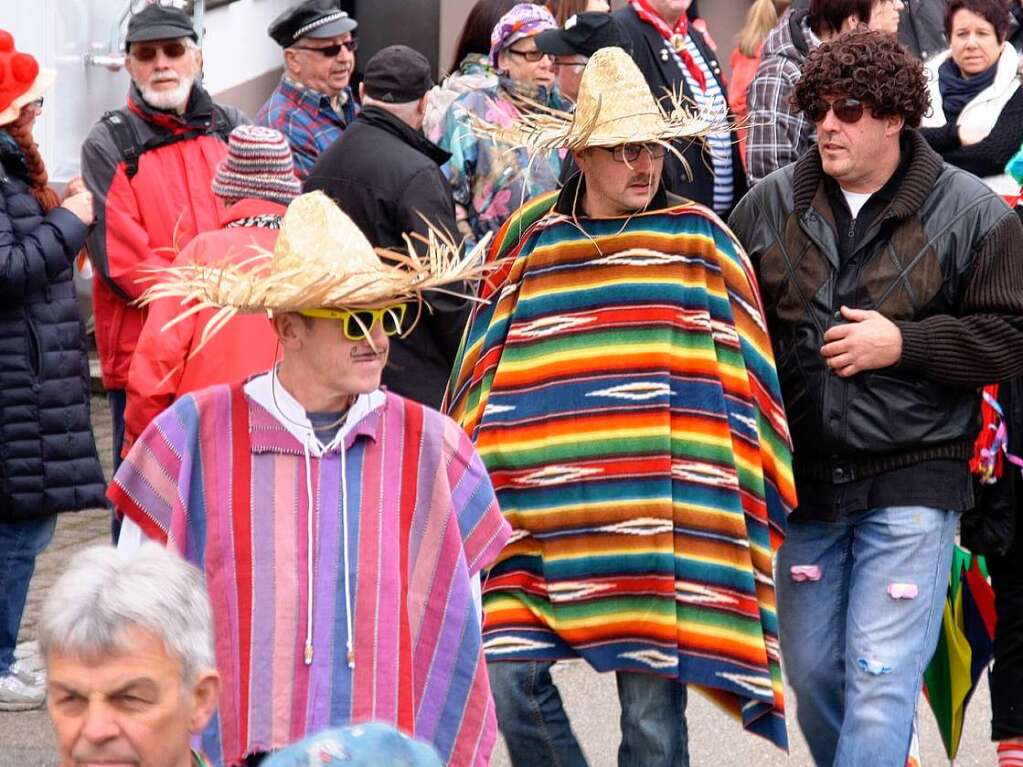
<point>711,100</point>
<point>403,511</point>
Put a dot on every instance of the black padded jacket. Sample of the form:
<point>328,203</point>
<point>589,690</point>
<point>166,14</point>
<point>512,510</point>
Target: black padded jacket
<point>48,461</point>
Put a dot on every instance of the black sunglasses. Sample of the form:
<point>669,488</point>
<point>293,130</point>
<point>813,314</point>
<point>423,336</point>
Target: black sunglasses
<point>847,110</point>
<point>147,51</point>
<point>332,50</point>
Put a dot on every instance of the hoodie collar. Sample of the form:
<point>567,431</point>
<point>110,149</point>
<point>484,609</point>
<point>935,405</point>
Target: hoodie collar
<point>285,428</point>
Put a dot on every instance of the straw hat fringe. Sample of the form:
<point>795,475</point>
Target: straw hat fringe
<point>321,260</point>
<point>615,107</point>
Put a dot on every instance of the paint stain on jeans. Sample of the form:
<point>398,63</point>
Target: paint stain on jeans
<point>903,590</point>
<point>800,573</point>
<point>873,666</point>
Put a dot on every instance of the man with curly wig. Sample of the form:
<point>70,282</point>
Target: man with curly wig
<point>893,285</point>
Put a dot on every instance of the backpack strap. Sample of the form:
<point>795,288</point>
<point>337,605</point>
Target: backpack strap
<point>221,125</point>
<point>126,139</point>
<point>131,147</point>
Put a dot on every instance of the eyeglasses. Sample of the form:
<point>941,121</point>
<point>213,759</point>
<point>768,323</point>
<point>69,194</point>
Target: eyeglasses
<point>147,52</point>
<point>331,51</point>
<point>533,55</point>
<point>38,103</point>
<point>570,63</point>
<point>358,324</point>
<point>847,110</point>
<point>629,153</point>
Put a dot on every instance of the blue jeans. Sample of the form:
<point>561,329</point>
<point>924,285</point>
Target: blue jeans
<point>537,731</point>
<point>20,543</point>
<point>859,605</point>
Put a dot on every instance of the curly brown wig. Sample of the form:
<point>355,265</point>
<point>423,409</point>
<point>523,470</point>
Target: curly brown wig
<point>995,12</point>
<point>871,67</point>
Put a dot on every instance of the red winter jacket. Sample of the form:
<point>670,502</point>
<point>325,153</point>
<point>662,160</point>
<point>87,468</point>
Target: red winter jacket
<point>162,370</point>
<point>143,222</point>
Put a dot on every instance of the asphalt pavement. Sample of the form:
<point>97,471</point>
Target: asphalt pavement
<point>26,739</point>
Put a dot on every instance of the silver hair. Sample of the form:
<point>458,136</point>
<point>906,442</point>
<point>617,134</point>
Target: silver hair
<point>104,592</point>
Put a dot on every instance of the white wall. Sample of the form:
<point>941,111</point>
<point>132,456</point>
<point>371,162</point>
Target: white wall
<point>59,33</point>
<point>237,48</point>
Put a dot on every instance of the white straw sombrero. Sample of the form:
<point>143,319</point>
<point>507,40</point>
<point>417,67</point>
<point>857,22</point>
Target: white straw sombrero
<point>321,261</point>
<point>615,107</point>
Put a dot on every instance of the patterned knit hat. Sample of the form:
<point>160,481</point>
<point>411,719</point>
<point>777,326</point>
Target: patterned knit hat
<point>258,164</point>
<point>523,20</point>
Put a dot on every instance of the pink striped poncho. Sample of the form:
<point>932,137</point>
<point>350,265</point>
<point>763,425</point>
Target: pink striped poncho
<point>224,483</point>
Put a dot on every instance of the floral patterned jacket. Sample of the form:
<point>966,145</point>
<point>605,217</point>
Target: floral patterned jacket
<point>490,180</point>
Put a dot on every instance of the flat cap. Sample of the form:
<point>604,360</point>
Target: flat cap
<point>159,22</point>
<point>397,74</point>
<point>312,18</point>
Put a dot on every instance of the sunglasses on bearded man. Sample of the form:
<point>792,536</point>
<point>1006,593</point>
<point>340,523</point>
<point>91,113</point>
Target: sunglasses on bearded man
<point>847,110</point>
<point>146,52</point>
<point>357,324</point>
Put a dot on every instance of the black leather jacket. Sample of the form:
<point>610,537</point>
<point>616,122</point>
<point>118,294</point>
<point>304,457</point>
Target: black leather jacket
<point>913,262</point>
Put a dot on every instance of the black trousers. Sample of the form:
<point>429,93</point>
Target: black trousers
<point>1007,675</point>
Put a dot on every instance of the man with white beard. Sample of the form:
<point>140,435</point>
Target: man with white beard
<point>149,167</point>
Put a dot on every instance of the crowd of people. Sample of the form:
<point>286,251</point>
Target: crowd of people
<point>585,352</point>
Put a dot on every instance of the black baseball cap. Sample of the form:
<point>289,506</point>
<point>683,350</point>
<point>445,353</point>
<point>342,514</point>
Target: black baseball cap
<point>584,34</point>
<point>397,74</point>
<point>159,22</point>
<point>313,18</point>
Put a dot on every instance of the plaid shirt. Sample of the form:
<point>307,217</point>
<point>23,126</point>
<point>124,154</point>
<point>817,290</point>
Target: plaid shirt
<point>308,120</point>
<point>778,133</point>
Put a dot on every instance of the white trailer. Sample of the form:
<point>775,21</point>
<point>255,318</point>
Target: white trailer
<point>84,40</point>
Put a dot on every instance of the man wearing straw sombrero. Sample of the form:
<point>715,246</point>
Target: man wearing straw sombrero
<point>338,525</point>
<point>621,390</point>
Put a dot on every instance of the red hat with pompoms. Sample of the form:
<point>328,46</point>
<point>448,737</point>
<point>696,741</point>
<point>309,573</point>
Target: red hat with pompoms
<point>21,79</point>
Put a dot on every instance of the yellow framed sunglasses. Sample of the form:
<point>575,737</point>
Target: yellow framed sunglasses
<point>357,324</point>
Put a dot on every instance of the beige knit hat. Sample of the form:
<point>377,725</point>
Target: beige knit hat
<point>321,261</point>
<point>615,107</point>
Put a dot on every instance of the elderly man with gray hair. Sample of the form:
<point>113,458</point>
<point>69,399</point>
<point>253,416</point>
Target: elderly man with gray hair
<point>128,643</point>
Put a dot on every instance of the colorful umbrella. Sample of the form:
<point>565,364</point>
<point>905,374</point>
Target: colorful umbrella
<point>964,648</point>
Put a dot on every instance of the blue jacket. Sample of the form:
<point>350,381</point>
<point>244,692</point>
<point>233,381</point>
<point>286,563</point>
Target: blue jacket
<point>48,461</point>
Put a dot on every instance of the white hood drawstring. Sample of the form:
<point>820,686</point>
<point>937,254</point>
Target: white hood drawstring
<point>311,512</point>
<point>268,392</point>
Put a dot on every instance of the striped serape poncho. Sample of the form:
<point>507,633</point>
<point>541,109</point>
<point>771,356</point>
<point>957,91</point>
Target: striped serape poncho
<point>223,480</point>
<point>621,389</point>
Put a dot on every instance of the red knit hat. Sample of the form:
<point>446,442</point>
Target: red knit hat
<point>21,79</point>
